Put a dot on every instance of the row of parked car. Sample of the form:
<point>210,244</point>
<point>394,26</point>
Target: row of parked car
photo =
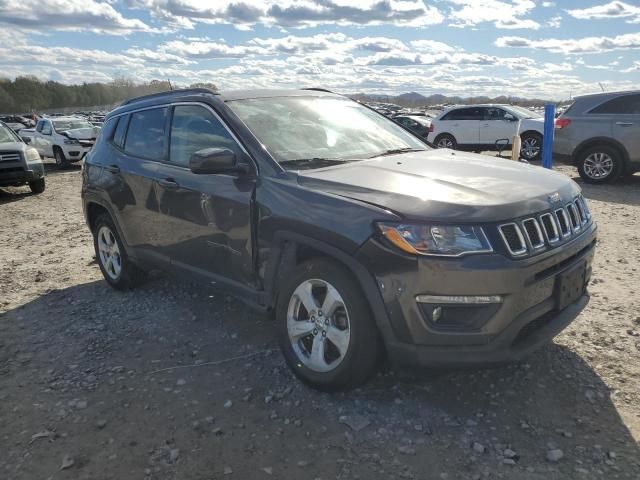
<point>599,134</point>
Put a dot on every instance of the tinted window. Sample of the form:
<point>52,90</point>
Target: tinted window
<point>145,136</point>
<point>121,130</point>
<point>464,114</point>
<point>46,128</point>
<point>493,113</point>
<point>623,105</point>
<point>195,128</point>
<point>39,126</point>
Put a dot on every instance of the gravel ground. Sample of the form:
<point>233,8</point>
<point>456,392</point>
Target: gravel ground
<point>83,393</point>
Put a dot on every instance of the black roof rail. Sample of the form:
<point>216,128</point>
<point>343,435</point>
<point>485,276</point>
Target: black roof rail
<point>167,92</point>
<point>318,89</point>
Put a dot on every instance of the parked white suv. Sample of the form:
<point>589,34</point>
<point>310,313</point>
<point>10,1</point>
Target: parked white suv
<point>67,139</point>
<point>479,127</point>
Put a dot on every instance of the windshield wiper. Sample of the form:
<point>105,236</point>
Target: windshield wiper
<point>313,161</point>
<point>396,151</point>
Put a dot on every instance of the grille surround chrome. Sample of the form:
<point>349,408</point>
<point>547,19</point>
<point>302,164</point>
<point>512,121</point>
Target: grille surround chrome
<point>533,221</point>
<point>546,227</point>
<point>518,252</point>
<point>556,232</point>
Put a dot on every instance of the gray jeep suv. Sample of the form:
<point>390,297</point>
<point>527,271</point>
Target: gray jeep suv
<point>362,239</point>
<point>600,134</point>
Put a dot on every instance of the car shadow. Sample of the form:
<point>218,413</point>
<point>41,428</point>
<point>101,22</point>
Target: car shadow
<point>169,331</point>
<point>625,190</point>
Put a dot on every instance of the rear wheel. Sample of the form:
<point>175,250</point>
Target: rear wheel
<point>37,186</point>
<point>325,327</point>
<point>446,141</point>
<point>531,146</point>
<point>600,164</point>
<point>116,266</point>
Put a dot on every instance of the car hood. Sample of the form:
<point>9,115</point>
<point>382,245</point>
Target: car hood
<point>12,147</point>
<point>81,133</point>
<point>445,185</point>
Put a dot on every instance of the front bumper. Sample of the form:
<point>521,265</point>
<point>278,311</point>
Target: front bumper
<point>75,153</point>
<point>528,316</point>
<point>16,175</point>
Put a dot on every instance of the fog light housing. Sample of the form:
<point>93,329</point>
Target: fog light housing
<point>458,313</point>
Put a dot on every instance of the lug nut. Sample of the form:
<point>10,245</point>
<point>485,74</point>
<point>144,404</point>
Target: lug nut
<point>315,331</point>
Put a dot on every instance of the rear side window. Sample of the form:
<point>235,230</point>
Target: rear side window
<point>195,128</point>
<point>146,134</point>
<point>121,130</point>
<point>465,114</point>
<point>623,105</point>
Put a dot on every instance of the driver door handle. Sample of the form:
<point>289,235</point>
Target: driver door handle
<point>168,183</point>
<point>624,124</point>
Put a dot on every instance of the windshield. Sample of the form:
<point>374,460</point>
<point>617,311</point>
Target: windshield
<point>321,129</point>
<point>524,112</point>
<point>7,135</point>
<point>64,125</point>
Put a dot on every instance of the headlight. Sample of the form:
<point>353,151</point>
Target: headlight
<point>71,141</point>
<point>440,240</point>
<point>32,155</point>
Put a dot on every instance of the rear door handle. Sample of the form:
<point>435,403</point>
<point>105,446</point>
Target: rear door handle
<point>112,168</point>
<point>624,124</point>
<point>485,124</point>
<point>168,183</point>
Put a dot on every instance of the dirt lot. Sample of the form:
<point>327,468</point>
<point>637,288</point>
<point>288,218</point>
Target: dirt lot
<point>81,395</point>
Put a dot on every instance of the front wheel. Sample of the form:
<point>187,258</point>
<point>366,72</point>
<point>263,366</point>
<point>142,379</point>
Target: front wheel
<point>325,327</point>
<point>37,186</point>
<point>60,158</point>
<point>599,164</point>
<point>116,266</point>
<point>531,146</point>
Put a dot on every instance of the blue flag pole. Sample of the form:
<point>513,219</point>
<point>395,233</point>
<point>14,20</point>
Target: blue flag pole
<point>547,140</point>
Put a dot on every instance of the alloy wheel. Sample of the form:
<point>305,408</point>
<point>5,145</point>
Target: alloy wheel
<point>318,325</point>
<point>445,142</point>
<point>109,252</point>
<point>530,148</point>
<point>598,165</point>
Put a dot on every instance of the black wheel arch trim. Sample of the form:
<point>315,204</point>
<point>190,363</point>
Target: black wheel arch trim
<point>282,258</point>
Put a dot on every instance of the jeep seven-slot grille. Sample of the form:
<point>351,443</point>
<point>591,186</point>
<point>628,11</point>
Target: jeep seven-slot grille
<point>547,229</point>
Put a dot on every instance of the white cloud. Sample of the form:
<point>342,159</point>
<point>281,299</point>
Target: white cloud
<point>610,10</point>
<point>503,14</point>
<point>555,22</point>
<point>71,15</point>
<point>292,13</point>
<point>575,46</point>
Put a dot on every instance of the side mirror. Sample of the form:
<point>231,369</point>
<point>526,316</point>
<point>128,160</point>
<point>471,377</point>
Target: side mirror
<point>214,160</point>
<point>510,118</point>
<point>26,140</point>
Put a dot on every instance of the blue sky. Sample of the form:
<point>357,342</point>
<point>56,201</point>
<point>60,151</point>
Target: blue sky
<point>465,47</point>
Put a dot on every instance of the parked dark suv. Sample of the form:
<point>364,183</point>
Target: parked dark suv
<point>362,239</point>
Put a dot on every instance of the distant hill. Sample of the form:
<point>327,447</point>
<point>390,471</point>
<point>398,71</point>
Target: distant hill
<point>415,99</point>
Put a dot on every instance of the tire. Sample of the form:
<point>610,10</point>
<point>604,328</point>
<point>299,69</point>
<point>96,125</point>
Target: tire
<point>531,146</point>
<point>350,324</point>
<point>445,141</point>
<point>128,275</point>
<point>600,164</point>
<point>61,160</point>
<point>37,186</point>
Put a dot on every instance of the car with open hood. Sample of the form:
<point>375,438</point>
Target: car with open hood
<point>362,240</point>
